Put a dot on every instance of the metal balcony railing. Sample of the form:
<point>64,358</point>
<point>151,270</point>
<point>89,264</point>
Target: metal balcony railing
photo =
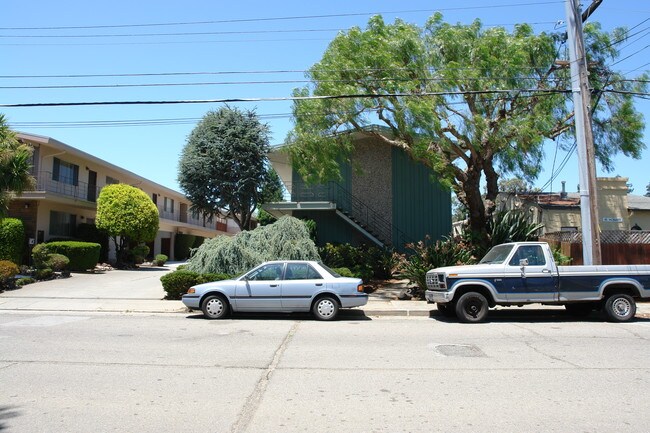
<point>80,191</point>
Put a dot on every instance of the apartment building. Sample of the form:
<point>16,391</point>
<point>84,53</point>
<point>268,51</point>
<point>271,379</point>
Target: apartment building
<point>68,184</point>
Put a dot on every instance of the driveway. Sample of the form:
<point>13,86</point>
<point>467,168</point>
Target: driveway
<point>116,290</point>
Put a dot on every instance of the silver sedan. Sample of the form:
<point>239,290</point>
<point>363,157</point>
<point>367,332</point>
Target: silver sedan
<point>279,286</point>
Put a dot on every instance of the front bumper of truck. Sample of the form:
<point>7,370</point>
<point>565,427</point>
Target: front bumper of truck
<point>438,296</point>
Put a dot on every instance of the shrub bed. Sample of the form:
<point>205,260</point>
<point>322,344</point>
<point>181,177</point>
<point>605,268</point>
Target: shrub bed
<point>82,255</point>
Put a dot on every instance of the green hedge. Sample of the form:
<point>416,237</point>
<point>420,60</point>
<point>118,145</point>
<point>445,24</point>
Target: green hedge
<point>182,245</point>
<point>82,255</point>
<point>12,240</point>
<point>177,283</point>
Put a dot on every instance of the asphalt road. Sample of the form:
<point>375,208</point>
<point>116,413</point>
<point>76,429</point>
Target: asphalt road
<point>101,372</point>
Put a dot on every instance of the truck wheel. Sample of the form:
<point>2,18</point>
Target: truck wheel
<point>472,307</point>
<point>620,307</point>
<point>446,310</point>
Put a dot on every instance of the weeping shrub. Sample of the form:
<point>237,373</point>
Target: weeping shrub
<point>286,239</point>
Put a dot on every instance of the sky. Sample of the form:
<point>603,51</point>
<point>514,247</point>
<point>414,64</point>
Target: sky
<point>80,51</point>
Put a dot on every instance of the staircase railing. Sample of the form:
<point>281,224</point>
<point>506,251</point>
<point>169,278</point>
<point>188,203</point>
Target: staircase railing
<point>358,211</point>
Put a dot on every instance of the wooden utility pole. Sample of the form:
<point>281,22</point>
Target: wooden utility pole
<point>584,134</point>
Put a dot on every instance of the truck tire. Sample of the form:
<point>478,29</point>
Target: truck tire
<point>620,307</point>
<point>472,307</point>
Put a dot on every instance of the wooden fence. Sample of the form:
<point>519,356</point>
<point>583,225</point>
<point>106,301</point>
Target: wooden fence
<point>616,247</point>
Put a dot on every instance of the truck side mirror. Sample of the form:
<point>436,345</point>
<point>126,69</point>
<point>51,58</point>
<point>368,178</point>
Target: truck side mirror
<point>523,262</point>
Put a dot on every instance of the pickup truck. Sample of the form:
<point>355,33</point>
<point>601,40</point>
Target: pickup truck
<point>521,273</point>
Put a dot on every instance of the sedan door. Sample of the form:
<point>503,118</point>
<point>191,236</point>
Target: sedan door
<point>261,289</point>
<point>300,283</point>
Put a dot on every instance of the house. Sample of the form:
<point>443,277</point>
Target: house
<point>68,184</point>
<point>392,200</point>
<point>617,210</point>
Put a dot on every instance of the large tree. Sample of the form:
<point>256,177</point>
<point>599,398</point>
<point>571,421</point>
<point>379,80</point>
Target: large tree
<point>128,216</point>
<point>472,103</point>
<point>223,166</point>
<point>15,166</point>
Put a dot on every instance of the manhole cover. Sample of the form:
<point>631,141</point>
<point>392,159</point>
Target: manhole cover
<point>460,350</point>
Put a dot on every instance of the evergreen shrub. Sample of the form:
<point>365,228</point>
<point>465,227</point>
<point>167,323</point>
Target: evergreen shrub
<point>8,270</point>
<point>57,262</point>
<point>364,262</point>
<point>12,239</point>
<point>177,283</point>
<point>160,259</point>
<point>82,255</point>
<point>286,239</point>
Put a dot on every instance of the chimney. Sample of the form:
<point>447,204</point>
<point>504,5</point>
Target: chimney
<point>563,194</point>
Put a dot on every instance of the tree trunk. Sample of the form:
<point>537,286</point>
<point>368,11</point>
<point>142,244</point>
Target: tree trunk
<point>476,209</point>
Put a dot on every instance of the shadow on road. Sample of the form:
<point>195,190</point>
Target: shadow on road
<point>517,315</point>
<point>344,316</point>
<point>6,412</point>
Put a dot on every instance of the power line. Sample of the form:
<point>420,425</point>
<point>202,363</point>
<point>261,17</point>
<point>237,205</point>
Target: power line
<point>277,71</point>
<point>130,35</point>
<point>226,83</point>
<point>288,98</point>
<point>299,17</point>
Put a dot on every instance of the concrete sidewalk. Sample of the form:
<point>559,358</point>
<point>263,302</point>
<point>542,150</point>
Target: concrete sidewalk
<point>140,291</point>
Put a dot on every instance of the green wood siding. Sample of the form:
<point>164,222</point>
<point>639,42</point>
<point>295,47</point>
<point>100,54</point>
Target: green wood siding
<point>420,205</point>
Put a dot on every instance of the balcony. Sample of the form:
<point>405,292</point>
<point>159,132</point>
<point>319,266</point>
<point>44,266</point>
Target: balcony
<point>81,191</point>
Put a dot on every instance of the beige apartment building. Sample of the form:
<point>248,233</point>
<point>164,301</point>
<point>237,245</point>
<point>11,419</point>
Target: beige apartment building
<point>68,184</point>
<point>618,210</point>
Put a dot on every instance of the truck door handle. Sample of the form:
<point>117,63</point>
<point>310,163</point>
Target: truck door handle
<point>548,271</point>
<point>319,284</point>
<point>274,285</point>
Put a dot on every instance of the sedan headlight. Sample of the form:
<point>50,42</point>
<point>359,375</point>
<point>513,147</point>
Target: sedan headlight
<point>191,290</point>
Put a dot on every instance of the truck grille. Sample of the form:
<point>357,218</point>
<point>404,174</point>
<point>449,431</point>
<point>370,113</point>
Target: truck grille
<point>436,281</point>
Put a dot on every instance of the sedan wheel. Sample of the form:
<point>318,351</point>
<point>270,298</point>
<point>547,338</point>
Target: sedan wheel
<point>214,307</point>
<point>325,308</point>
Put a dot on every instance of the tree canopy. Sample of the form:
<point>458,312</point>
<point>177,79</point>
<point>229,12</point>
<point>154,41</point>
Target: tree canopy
<point>223,166</point>
<point>15,166</point>
<point>127,215</point>
<point>472,103</point>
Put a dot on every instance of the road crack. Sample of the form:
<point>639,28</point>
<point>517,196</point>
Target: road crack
<point>253,401</point>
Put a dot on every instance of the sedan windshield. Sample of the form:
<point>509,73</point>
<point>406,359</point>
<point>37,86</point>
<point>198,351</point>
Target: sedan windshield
<point>497,255</point>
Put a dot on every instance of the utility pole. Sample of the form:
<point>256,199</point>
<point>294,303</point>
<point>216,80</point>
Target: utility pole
<point>584,134</point>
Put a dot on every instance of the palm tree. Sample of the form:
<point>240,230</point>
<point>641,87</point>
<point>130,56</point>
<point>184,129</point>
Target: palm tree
<point>15,165</point>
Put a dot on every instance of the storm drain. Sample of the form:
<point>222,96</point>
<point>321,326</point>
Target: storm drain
<point>460,350</point>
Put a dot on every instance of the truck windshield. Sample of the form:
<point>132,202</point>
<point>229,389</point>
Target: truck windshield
<point>497,255</point>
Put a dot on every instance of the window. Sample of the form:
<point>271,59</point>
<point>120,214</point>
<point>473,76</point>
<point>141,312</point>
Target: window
<point>301,271</point>
<point>62,224</point>
<point>65,172</point>
<point>154,198</point>
<point>272,271</point>
<point>222,224</point>
<point>569,229</point>
<point>533,253</point>
<point>111,180</point>
<point>169,205</point>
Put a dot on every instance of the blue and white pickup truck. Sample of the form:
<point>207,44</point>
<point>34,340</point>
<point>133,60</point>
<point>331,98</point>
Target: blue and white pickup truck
<point>524,273</point>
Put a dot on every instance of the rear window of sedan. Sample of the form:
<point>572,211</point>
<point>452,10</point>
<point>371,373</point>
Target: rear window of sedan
<point>301,271</point>
<point>331,272</point>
